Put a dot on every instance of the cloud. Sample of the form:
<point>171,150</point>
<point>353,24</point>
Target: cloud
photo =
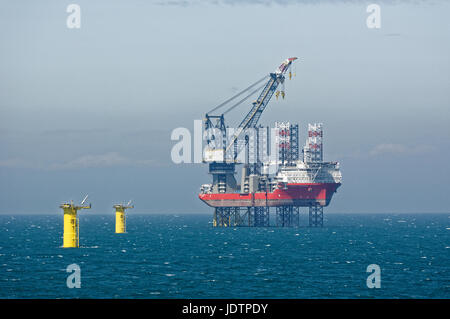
<point>86,161</point>
<point>392,35</point>
<point>186,3</point>
<point>111,159</point>
<point>103,160</point>
<point>14,163</point>
<point>400,149</point>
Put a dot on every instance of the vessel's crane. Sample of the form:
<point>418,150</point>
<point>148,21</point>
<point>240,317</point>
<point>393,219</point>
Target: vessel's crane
<point>71,224</point>
<point>252,117</point>
<point>217,154</point>
<point>120,216</point>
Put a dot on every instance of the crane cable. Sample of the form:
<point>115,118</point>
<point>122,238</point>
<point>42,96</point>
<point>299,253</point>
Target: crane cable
<point>243,100</point>
<point>239,94</point>
<point>243,127</point>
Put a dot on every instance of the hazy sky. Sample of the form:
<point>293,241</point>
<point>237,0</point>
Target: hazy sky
<point>91,110</point>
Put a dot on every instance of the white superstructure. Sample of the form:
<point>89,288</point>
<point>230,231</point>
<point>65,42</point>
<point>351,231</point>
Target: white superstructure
<point>326,172</point>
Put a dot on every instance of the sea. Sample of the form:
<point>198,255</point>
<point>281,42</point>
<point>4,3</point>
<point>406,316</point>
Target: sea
<point>184,256</point>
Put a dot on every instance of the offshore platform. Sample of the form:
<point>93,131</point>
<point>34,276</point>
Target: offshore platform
<point>71,238</point>
<point>121,224</point>
<point>273,174</point>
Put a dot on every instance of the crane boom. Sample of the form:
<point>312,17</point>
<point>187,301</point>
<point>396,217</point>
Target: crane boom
<point>252,117</point>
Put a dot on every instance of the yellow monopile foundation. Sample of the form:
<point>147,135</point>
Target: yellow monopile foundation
<point>120,218</point>
<point>71,224</point>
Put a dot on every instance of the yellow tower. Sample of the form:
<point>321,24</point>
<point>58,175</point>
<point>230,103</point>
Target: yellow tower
<point>71,226</point>
<point>120,217</point>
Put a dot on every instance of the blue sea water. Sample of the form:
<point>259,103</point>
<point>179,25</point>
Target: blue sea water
<point>170,256</point>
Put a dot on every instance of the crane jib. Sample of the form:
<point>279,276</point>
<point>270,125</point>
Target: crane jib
<point>251,119</point>
<point>237,95</point>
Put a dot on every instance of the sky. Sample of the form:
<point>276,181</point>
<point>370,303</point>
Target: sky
<point>91,110</point>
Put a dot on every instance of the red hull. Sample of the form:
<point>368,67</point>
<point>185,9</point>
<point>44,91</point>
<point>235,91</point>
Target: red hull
<point>294,194</point>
